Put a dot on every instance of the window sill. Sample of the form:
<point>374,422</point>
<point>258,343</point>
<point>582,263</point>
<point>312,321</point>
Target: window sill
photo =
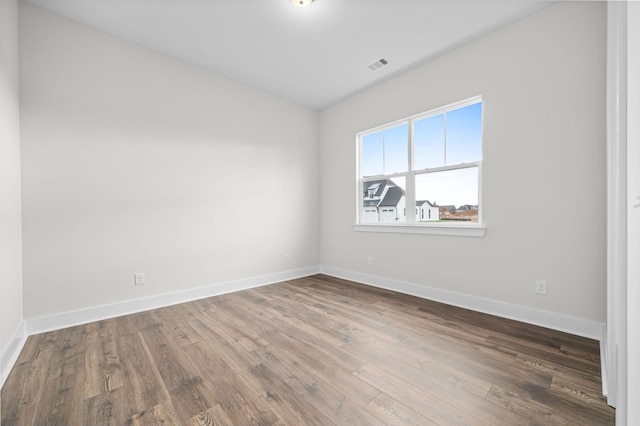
<point>434,229</point>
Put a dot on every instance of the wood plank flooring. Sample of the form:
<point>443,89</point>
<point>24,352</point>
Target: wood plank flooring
<point>312,351</point>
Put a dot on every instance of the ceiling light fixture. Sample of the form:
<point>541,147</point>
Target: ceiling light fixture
<point>301,3</point>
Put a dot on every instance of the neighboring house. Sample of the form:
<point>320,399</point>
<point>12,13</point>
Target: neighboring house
<point>383,201</point>
<point>392,206</point>
<point>426,210</point>
<point>447,209</point>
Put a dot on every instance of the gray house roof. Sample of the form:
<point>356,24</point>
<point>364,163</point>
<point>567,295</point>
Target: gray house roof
<point>392,193</point>
<point>422,202</point>
<point>392,197</point>
<point>381,184</point>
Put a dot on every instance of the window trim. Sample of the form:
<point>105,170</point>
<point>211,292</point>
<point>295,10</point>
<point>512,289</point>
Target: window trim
<point>411,226</point>
<point>424,229</point>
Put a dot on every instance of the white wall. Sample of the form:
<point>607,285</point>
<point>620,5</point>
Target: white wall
<point>136,162</point>
<point>633,249</point>
<point>614,357</point>
<point>10,219</point>
<point>543,85</point>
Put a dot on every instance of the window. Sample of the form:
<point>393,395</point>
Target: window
<point>432,161</point>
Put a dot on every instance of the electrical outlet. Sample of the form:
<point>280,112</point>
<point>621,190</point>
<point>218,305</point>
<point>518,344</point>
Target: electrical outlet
<point>541,287</point>
<point>138,278</point>
<point>287,257</point>
<point>370,260</point>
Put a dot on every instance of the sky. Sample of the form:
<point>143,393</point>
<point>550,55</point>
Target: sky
<point>440,140</point>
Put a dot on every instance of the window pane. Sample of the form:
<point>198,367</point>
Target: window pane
<point>372,155</point>
<point>386,152</point>
<point>429,142</point>
<point>396,149</point>
<point>455,192</point>
<point>441,141</point>
<point>464,134</point>
<point>384,201</point>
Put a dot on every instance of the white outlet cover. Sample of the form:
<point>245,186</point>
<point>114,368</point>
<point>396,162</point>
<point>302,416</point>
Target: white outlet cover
<point>138,278</point>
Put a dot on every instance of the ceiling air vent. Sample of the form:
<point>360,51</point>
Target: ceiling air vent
<point>378,64</point>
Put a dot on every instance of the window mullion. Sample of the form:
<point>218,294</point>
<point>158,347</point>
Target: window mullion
<point>480,192</point>
<point>411,198</point>
<point>384,160</point>
<point>410,180</point>
<point>446,168</point>
<point>445,138</point>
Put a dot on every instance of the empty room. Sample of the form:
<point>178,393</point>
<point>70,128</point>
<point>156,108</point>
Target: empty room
<point>322,212</point>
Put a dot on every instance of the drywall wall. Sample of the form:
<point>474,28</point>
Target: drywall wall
<point>137,162</point>
<point>632,376</point>
<point>10,215</point>
<point>544,198</point>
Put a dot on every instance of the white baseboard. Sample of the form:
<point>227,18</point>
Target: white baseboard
<point>69,319</point>
<point>603,362</point>
<point>10,355</point>
<point>97,313</point>
<point>577,326</point>
<point>565,323</point>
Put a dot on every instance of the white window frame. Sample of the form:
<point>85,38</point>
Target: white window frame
<point>410,226</point>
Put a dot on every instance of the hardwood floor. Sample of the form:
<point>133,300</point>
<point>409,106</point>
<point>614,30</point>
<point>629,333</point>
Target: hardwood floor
<point>313,351</point>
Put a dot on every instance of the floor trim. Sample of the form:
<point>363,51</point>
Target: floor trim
<point>603,362</point>
<point>43,324</point>
<point>9,356</point>
<point>568,324</point>
<point>97,313</point>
